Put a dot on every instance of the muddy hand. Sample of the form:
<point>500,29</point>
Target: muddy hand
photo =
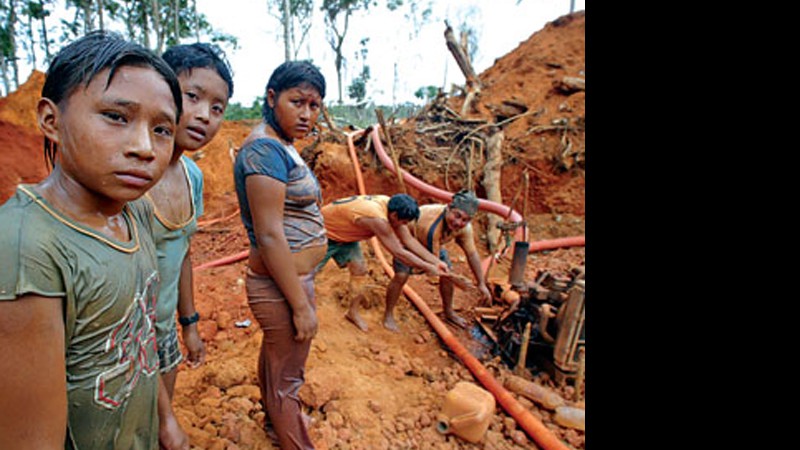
<point>195,347</point>
<point>306,324</point>
<point>459,281</point>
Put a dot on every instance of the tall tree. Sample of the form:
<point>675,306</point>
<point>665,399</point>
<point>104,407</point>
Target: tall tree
<point>144,22</point>
<point>358,88</point>
<point>337,21</point>
<point>286,19</point>
<point>41,14</point>
<point>10,41</point>
<point>155,15</point>
<point>83,11</point>
<point>100,8</point>
<point>30,32</point>
<point>295,20</point>
<point>6,50</point>
<point>176,15</point>
<point>196,20</point>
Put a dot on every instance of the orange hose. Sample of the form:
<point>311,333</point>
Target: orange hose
<point>205,223</point>
<point>547,244</point>
<point>483,204</point>
<point>222,261</point>
<point>550,244</point>
<point>535,428</point>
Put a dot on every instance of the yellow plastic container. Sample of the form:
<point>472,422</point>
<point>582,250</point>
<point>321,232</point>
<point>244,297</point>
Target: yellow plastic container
<point>467,412</point>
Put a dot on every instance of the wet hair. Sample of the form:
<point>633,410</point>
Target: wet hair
<point>286,76</point>
<point>466,201</point>
<point>405,206</point>
<point>79,62</point>
<point>185,57</point>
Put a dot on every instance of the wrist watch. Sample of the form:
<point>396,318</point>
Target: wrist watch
<point>186,321</point>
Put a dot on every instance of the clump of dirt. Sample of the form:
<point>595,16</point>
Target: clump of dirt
<point>22,157</point>
<point>19,107</point>
<point>216,162</point>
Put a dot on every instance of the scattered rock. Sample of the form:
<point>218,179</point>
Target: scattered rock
<point>374,406</point>
<point>335,419</point>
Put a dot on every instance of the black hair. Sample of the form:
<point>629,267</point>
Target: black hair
<point>185,57</point>
<point>286,76</point>
<point>79,62</point>
<point>405,206</point>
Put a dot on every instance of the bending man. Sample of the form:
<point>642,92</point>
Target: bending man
<point>437,225</point>
<point>350,220</point>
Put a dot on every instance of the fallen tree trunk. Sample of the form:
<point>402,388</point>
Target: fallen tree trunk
<point>460,55</point>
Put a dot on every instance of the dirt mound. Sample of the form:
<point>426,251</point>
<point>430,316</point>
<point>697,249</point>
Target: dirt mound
<point>22,154</point>
<point>19,107</point>
<point>215,160</point>
<point>529,96</point>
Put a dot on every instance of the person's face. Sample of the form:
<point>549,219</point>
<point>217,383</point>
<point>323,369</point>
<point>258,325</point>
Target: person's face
<point>117,141</point>
<point>395,221</point>
<point>456,218</point>
<point>205,97</point>
<point>296,109</point>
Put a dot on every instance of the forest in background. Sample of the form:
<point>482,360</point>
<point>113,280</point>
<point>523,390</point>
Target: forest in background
<point>32,31</point>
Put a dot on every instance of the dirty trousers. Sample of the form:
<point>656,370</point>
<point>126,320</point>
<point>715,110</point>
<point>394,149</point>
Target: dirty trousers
<point>282,360</point>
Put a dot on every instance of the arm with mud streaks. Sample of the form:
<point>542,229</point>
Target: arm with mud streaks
<point>170,434</point>
<point>413,244</point>
<point>191,337</point>
<point>386,235</point>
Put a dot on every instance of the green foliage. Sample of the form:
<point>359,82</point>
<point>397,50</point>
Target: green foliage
<point>364,115</point>
<point>357,90</point>
<point>426,92</point>
<point>393,4</point>
<point>235,111</point>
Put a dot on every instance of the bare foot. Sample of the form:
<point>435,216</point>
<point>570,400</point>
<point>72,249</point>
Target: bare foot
<point>390,324</point>
<point>357,321</point>
<point>456,320</point>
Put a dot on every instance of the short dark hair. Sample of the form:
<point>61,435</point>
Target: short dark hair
<point>185,57</point>
<point>405,206</point>
<point>80,61</point>
<point>286,76</point>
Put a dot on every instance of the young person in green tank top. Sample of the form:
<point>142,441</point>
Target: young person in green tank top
<point>79,277</point>
<point>207,85</point>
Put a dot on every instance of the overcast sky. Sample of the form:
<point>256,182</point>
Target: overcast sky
<point>422,59</point>
<point>420,53</point>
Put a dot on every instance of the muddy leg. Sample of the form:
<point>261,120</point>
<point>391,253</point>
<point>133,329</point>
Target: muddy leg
<point>393,292</point>
<point>446,290</point>
<point>358,281</point>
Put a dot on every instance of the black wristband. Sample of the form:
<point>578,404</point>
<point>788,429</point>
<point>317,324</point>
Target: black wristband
<point>186,321</point>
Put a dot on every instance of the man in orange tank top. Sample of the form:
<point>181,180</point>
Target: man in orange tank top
<point>350,220</point>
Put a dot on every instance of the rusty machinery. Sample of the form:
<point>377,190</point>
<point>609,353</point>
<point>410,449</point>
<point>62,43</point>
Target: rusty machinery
<point>539,324</point>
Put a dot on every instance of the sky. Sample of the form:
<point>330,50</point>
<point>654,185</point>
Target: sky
<point>402,58</point>
<point>422,59</point>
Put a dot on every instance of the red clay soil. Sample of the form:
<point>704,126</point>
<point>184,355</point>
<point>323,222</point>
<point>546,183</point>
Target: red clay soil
<point>375,390</point>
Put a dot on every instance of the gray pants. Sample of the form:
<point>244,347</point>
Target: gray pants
<point>282,360</point>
